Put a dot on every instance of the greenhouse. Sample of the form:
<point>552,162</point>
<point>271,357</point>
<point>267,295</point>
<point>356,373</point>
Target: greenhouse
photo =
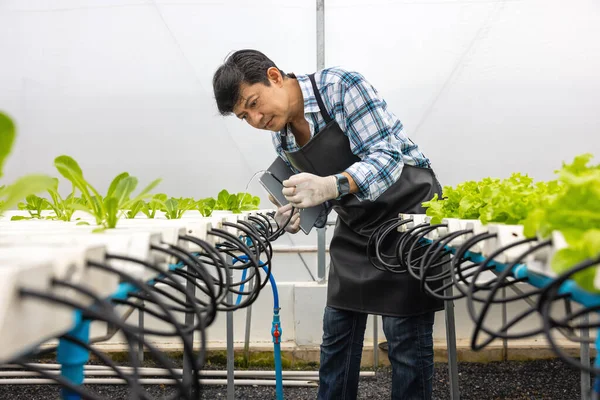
<point>299,199</point>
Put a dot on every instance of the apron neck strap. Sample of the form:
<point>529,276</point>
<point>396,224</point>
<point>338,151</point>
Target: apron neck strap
<point>322,108</point>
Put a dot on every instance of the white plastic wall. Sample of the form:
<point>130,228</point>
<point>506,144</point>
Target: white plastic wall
<point>485,87</point>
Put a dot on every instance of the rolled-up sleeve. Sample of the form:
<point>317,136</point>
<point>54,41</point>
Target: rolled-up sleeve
<point>373,136</point>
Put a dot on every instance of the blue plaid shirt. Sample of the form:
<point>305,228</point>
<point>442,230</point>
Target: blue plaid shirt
<point>376,135</point>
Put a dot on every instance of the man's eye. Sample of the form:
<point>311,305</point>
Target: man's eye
<point>253,104</point>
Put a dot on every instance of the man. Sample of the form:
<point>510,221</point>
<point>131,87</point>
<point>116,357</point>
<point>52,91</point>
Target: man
<point>352,155</point>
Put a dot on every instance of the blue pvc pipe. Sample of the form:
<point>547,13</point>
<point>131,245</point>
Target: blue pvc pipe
<point>276,331</point>
<point>73,357</point>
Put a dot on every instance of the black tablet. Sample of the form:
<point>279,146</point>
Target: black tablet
<point>308,216</point>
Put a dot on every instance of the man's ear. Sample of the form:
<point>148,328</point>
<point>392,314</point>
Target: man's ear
<point>275,76</point>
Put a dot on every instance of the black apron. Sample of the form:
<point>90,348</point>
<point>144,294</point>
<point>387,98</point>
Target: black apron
<point>355,284</point>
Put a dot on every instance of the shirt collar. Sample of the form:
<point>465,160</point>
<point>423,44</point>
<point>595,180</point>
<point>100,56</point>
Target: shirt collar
<point>308,94</point>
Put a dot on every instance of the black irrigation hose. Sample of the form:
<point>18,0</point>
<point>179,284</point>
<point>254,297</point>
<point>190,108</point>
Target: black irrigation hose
<point>544,306</point>
<point>191,262</point>
<point>378,237</point>
<point>198,269</point>
<point>172,282</point>
<point>494,290</point>
<point>268,247</point>
<point>264,224</point>
<point>406,238</point>
<point>102,357</point>
<point>145,288</point>
<point>218,262</point>
<point>429,258</point>
<point>149,295</point>
<point>436,251</point>
<point>109,317</point>
<point>105,306</point>
<point>427,265</point>
<point>417,238</point>
<point>494,284</point>
<point>180,332</point>
<point>241,247</point>
<point>130,335</point>
<point>563,323</point>
<point>280,231</point>
<point>459,259</point>
<point>255,239</point>
<point>408,235</point>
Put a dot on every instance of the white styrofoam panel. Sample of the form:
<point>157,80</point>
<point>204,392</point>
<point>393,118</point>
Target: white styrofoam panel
<point>131,244</point>
<point>27,321</point>
<point>505,235</point>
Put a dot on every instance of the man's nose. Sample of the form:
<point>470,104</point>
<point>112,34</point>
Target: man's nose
<point>255,119</point>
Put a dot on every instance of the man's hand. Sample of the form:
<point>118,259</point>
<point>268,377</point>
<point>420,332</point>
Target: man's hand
<point>282,215</point>
<point>307,190</point>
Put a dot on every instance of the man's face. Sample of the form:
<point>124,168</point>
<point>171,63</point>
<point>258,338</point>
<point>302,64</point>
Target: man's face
<point>262,106</point>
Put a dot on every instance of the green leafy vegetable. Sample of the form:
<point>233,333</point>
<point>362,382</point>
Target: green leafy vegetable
<point>157,203</point>
<point>104,209</point>
<point>23,187</point>
<point>34,206</point>
<point>222,200</point>
<point>136,208</point>
<point>175,208</point>
<point>206,206</point>
<point>7,138</point>
<point>63,208</point>
<point>236,202</point>
<point>575,212</point>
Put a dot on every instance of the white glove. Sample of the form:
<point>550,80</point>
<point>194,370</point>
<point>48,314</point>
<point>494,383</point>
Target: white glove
<point>282,215</point>
<point>307,190</point>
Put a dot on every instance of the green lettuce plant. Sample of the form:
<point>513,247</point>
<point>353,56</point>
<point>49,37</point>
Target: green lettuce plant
<point>575,212</point>
<point>236,202</point>
<point>104,209</point>
<point>12,194</point>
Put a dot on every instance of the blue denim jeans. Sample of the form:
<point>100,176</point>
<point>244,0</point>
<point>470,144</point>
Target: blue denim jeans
<point>410,350</point>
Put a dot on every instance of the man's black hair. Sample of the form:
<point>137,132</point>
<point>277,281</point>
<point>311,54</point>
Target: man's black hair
<point>243,66</point>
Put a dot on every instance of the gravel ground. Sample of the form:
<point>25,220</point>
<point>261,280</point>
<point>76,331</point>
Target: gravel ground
<point>532,380</point>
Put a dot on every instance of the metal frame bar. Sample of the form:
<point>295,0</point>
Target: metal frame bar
<point>451,343</point>
<point>230,350</point>
<point>188,363</point>
<point>320,34</point>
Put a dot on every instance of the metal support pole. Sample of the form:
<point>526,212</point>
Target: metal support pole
<point>584,350</point>
<point>188,364</point>
<point>504,321</point>
<point>248,323</point>
<point>141,335</point>
<point>451,343</point>
<point>230,354</point>
<point>321,253</point>
<point>320,34</point>
<point>375,342</point>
